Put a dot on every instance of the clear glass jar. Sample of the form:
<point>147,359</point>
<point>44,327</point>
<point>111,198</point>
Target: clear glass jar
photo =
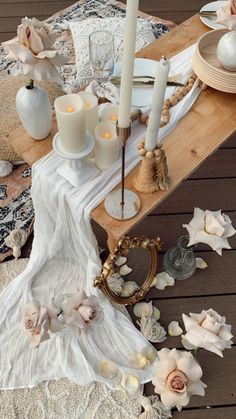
<point>180,262</point>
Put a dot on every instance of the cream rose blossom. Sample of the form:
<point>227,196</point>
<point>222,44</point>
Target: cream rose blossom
<point>177,377</point>
<point>33,47</point>
<point>210,227</point>
<point>207,330</point>
<point>80,311</point>
<point>35,323</point>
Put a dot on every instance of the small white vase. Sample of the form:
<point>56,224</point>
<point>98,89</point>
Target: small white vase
<point>34,110</point>
<point>226,51</point>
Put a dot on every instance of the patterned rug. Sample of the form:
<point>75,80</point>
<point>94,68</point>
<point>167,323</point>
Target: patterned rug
<point>16,208</point>
<point>60,24</point>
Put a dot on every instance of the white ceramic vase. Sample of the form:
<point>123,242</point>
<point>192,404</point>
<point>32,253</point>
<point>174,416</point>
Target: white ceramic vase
<point>34,110</point>
<point>226,51</point>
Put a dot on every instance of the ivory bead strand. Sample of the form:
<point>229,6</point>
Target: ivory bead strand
<point>172,101</point>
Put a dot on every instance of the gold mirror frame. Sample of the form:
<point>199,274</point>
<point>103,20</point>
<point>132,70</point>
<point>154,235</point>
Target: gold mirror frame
<point>123,247</point>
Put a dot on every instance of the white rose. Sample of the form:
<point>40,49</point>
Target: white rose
<point>210,227</point>
<point>177,377</point>
<point>207,330</point>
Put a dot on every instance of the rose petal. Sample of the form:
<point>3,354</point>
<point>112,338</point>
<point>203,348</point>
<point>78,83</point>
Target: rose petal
<point>201,263</point>
<point>190,368</point>
<point>174,329</point>
<point>131,384</point>
<point>196,388</point>
<point>125,270</point>
<point>120,261</point>
<point>108,369</point>
<point>143,309</point>
<point>164,280</point>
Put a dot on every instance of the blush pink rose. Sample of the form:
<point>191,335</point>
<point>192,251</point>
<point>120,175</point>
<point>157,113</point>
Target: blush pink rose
<point>177,377</point>
<point>33,47</point>
<point>35,323</point>
<point>80,311</point>
<point>207,330</point>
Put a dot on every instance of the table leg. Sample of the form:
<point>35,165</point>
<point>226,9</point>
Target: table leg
<point>111,242</point>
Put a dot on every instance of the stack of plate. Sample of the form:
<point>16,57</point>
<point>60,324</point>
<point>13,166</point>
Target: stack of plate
<point>207,67</point>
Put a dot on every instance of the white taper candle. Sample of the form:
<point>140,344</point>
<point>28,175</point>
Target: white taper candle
<point>127,66</point>
<point>158,97</point>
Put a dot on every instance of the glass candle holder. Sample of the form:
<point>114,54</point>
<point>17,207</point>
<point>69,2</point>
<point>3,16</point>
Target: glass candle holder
<point>180,262</point>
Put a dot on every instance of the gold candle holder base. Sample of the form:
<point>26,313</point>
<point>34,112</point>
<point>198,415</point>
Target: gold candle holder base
<point>153,173</point>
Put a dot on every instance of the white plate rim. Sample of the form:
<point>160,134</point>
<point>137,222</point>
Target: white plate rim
<point>149,69</point>
<point>214,5</point>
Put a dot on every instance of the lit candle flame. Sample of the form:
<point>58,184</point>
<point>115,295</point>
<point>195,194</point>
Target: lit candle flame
<point>87,105</point>
<point>106,135</point>
<point>70,109</point>
<point>114,118</point>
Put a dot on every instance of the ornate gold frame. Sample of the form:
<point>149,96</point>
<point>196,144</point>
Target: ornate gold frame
<point>123,247</point>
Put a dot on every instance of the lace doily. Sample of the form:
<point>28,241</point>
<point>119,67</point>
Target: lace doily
<point>81,31</point>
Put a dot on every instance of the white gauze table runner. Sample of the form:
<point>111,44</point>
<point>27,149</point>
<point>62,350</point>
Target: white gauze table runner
<point>65,256</point>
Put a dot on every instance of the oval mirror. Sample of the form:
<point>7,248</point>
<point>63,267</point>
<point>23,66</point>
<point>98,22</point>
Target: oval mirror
<point>128,273</point>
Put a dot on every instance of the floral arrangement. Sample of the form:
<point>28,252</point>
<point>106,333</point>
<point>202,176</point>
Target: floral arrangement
<point>77,311</point>
<point>227,15</point>
<point>33,47</point>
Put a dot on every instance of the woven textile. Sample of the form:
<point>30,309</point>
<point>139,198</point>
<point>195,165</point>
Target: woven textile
<point>9,120</point>
<point>16,208</point>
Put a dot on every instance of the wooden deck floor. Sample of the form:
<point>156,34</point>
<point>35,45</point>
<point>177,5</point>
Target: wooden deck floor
<point>212,186</point>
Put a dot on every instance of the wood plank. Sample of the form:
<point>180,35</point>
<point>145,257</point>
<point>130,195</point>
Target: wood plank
<point>211,194</point>
<point>151,6</point>
<point>9,24</point>
<point>169,229</point>
<point>217,279</point>
<point>219,375</point>
<point>230,143</point>
<point>35,9</point>
<point>207,413</point>
<point>5,36</point>
<point>220,165</point>
<point>15,2</point>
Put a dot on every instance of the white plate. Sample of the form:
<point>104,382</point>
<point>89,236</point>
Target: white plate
<point>211,22</point>
<point>142,95</point>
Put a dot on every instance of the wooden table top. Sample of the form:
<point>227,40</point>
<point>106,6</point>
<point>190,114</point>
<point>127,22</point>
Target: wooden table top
<point>206,126</point>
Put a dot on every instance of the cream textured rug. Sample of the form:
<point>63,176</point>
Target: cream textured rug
<point>61,399</point>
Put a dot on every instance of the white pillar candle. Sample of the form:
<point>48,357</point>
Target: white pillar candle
<point>91,110</point>
<point>106,145</point>
<point>158,97</point>
<point>109,112</point>
<point>71,122</point>
<point>127,67</point>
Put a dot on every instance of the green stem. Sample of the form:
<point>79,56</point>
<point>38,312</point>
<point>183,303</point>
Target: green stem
<point>195,352</point>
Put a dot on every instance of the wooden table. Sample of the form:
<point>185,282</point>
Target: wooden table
<point>207,125</point>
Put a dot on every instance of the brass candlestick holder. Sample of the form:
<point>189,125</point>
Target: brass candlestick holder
<point>153,173</point>
<point>122,204</point>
